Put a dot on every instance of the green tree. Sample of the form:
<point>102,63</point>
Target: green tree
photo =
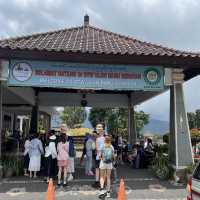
<point>73,116</point>
<point>191,120</point>
<point>198,118</point>
<point>116,119</point>
<point>141,119</point>
<point>98,115</point>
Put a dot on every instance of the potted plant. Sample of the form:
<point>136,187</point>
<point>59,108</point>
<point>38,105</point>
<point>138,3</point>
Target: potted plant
<point>188,171</point>
<point>160,164</point>
<point>160,167</point>
<point>8,168</point>
<point>12,165</point>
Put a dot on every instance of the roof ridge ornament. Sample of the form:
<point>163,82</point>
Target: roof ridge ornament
<point>86,20</point>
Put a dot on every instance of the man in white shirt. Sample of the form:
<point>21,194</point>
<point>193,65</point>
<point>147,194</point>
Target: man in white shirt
<point>99,146</point>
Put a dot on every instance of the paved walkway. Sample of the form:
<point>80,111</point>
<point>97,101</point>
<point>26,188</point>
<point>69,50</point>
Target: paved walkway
<point>140,184</point>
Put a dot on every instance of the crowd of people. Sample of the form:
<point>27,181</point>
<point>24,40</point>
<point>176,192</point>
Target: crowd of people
<point>54,155</point>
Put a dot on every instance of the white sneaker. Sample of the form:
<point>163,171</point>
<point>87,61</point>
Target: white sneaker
<point>102,193</point>
<point>108,195</point>
<point>70,178</point>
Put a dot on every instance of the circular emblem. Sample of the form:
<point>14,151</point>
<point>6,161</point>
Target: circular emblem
<point>152,76</point>
<point>22,71</point>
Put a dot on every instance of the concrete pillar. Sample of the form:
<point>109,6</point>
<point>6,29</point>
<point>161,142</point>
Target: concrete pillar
<point>14,128</point>
<point>180,148</point>
<point>4,66</point>
<point>1,125</point>
<point>49,122</point>
<point>132,135</point>
<point>35,115</point>
<point>21,120</point>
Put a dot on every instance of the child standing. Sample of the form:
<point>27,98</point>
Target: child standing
<point>63,158</point>
<point>106,166</point>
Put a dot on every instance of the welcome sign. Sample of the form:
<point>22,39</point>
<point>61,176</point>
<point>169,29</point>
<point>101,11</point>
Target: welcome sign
<point>85,76</point>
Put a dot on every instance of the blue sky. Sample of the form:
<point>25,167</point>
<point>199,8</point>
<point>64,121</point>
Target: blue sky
<point>172,23</point>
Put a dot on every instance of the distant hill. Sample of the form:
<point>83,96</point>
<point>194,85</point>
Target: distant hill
<point>157,127</point>
<point>154,126</point>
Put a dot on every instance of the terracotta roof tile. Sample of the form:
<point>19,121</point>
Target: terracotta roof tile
<point>89,39</point>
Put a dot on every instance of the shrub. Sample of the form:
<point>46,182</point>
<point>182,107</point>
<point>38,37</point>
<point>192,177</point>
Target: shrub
<point>166,138</point>
<point>14,163</point>
<point>160,167</point>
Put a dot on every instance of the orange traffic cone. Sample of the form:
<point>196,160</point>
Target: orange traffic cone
<point>121,192</point>
<point>50,191</point>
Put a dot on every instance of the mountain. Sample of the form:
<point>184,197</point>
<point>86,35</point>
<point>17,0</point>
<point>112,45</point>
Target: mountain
<point>157,127</point>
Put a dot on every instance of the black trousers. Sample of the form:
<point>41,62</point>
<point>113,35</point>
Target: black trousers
<point>26,161</point>
<point>51,167</point>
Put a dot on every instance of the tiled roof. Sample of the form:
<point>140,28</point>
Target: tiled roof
<point>89,39</point>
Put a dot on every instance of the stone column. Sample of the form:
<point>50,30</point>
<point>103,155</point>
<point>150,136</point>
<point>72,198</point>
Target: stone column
<point>132,135</point>
<point>180,148</point>
<point>21,120</point>
<point>4,66</point>
<point>14,128</point>
<point>35,115</point>
<point>1,125</point>
<point>49,122</point>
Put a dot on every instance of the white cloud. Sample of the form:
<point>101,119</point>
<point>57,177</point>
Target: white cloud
<point>13,25</point>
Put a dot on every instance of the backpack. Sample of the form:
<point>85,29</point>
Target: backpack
<point>107,154</point>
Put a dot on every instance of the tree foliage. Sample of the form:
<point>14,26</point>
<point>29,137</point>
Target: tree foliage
<point>166,138</point>
<point>73,116</point>
<point>191,120</point>
<point>194,119</point>
<point>141,120</point>
<point>116,119</point>
<point>98,115</point>
<point>198,118</point>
